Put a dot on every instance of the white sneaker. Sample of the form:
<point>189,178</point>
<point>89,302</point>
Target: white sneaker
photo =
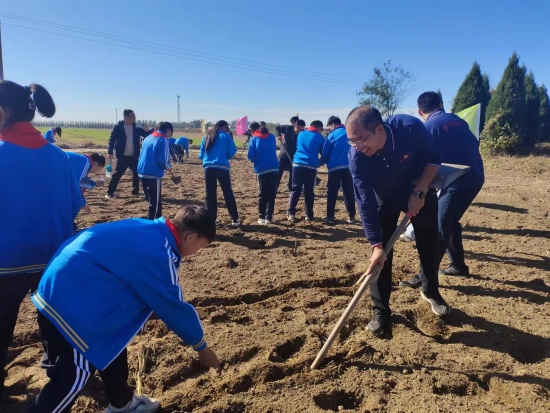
<point>268,222</point>
<point>235,224</point>
<point>291,218</point>
<point>403,237</point>
<point>107,196</point>
<point>138,404</point>
<point>261,221</point>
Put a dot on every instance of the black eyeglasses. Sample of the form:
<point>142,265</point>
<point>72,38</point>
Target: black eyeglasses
<point>362,141</point>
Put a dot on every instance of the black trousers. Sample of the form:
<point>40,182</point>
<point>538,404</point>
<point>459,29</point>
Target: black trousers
<point>267,194</point>
<point>213,176</point>
<point>70,372</point>
<point>302,177</point>
<point>13,289</point>
<point>427,245</point>
<point>152,190</point>
<point>177,153</point>
<point>340,177</point>
<point>121,165</point>
<point>285,164</point>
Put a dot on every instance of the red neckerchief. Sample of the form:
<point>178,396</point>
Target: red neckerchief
<point>23,134</point>
<point>174,231</point>
<point>158,134</point>
<point>312,129</point>
<point>260,135</point>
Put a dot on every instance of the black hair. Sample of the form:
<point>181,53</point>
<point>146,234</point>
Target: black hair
<point>262,123</point>
<point>20,102</point>
<point>334,120</point>
<point>368,117</point>
<point>164,127</point>
<point>190,141</point>
<point>58,131</point>
<point>213,133</point>
<point>294,119</point>
<point>128,112</point>
<point>196,219</point>
<point>264,130</point>
<point>317,124</point>
<point>100,159</point>
<point>429,102</point>
<point>301,122</point>
<point>254,126</point>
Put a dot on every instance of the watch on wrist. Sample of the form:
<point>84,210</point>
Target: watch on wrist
<point>420,194</point>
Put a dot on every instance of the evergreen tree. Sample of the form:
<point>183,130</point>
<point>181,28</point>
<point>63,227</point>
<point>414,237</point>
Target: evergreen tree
<point>544,114</point>
<point>531,125</point>
<point>473,90</point>
<point>509,96</point>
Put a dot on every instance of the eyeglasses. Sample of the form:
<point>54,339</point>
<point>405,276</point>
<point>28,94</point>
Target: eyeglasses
<point>362,141</point>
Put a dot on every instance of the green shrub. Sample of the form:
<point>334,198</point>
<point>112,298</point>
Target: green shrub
<point>499,136</point>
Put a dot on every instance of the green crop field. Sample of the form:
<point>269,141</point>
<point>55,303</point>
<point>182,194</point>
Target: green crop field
<point>100,137</point>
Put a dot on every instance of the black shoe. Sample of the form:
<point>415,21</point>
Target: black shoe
<point>439,306</point>
<point>328,221</point>
<point>135,193</point>
<point>380,321</point>
<point>413,282</point>
<point>455,271</point>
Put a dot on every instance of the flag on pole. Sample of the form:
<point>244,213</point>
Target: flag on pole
<point>472,116</point>
<point>203,126</point>
<point>242,125</point>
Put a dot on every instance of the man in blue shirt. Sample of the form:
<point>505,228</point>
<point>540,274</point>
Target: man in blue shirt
<point>458,146</point>
<point>52,133</point>
<point>385,159</point>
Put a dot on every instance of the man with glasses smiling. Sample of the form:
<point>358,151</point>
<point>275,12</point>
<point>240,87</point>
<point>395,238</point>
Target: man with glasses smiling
<point>125,142</point>
<point>385,159</point>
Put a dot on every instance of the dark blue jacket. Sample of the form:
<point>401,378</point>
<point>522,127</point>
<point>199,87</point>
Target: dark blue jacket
<point>458,146</point>
<point>117,141</point>
<point>289,142</point>
<point>390,173</point>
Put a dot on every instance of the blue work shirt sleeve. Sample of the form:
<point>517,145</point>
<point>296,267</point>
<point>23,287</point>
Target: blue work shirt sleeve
<point>428,148</point>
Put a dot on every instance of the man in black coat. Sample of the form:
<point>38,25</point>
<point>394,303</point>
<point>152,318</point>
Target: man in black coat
<point>125,141</point>
<point>287,137</point>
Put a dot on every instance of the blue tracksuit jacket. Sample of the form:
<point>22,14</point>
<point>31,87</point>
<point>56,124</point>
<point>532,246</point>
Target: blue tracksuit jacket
<point>335,150</point>
<point>308,148</point>
<point>103,284</point>
<point>49,136</point>
<point>184,143</point>
<point>154,158</point>
<point>219,155</point>
<point>262,152</point>
<point>39,199</point>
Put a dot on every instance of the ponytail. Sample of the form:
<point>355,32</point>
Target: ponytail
<point>19,103</point>
<point>213,134</point>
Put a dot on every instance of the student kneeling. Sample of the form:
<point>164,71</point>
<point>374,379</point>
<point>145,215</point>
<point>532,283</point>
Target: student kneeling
<point>154,159</point>
<point>91,305</point>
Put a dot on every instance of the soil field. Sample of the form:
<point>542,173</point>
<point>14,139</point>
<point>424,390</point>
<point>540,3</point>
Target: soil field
<point>269,297</point>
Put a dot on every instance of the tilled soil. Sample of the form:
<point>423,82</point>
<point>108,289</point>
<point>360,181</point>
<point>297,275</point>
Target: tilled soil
<point>269,297</point>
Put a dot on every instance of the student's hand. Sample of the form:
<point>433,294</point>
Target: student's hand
<point>87,209</point>
<point>208,358</point>
<point>378,257</point>
<point>415,205</point>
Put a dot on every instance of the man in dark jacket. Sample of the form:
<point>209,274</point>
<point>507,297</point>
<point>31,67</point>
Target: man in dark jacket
<point>287,137</point>
<point>125,142</point>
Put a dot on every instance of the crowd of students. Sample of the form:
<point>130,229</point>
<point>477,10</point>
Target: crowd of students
<point>91,303</point>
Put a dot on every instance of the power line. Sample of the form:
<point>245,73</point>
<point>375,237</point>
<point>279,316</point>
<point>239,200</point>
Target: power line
<point>194,53</point>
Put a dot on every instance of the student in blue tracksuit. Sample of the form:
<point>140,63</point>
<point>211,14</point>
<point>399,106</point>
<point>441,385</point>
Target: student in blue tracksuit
<point>262,151</point>
<point>84,165</point>
<point>39,199</point>
<point>217,148</point>
<point>183,143</point>
<point>385,159</point>
<point>309,146</point>
<point>52,133</point>
<point>458,146</point>
<point>154,159</point>
<point>92,303</point>
<point>335,155</point>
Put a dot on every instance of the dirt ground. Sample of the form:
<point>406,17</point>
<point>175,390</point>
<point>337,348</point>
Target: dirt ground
<point>269,297</point>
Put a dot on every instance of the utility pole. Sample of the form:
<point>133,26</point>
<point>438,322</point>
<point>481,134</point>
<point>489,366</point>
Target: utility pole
<point>116,116</point>
<point>179,118</point>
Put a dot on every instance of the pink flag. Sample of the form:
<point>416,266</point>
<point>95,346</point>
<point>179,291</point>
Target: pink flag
<point>242,125</point>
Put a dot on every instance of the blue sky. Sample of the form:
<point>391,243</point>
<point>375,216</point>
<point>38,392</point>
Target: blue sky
<point>436,40</point>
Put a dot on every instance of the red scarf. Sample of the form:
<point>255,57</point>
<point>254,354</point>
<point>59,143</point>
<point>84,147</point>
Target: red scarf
<point>258,134</point>
<point>174,231</point>
<point>158,134</point>
<point>312,129</point>
<point>23,134</point>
